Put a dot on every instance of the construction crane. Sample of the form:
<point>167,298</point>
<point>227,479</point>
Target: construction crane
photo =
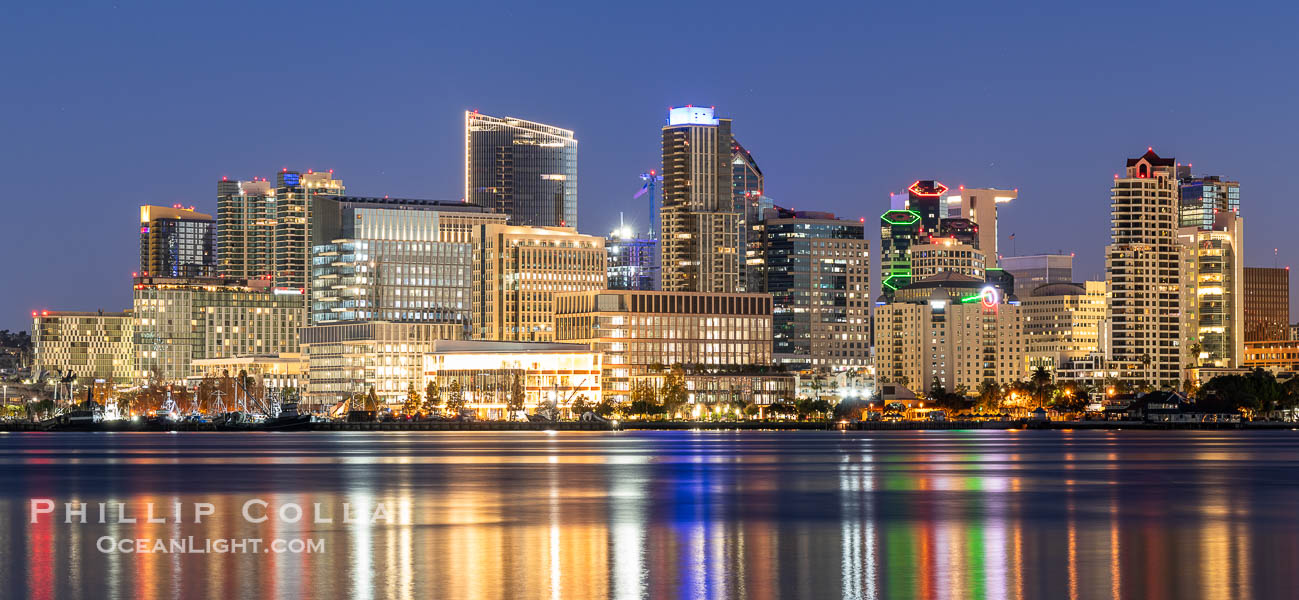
<point>651,179</point>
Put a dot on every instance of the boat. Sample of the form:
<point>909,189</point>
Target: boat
<point>290,419</point>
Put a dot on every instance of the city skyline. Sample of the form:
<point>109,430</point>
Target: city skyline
<point>1056,146</point>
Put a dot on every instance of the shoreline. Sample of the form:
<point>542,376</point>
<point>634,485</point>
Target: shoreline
<point>434,426</point>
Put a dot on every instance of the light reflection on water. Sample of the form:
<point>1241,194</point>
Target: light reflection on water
<point>671,514</point>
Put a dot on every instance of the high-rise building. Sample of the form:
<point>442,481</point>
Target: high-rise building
<point>917,215</point>
<point>1034,271</point>
<point>177,242</point>
<point>522,169</point>
<point>1144,266</point>
<point>1202,198</point>
<point>637,331</point>
<point>1267,303</point>
<point>633,260</point>
<point>178,320</point>
<point>817,269</point>
<point>396,260</point>
<point>245,229</point>
<point>518,270</point>
<point>291,240</point>
<point>701,233</point>
<point>980,206</point>
<point>952,330</point>
<point>1062,322</point>
<point>1214,282</point>
<point>746,190</point>
<point>93,346</point>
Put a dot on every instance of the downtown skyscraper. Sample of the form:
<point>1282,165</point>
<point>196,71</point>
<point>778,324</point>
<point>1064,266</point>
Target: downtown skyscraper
<point>523,169</point>
<point>1144,266</point>
<point>701,231</point>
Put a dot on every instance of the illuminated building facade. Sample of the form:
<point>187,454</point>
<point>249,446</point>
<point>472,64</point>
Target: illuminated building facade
<point>518,270</point>
<point>899,230</point>
<point>952,330</point>
<point>179,320</point>
<point>1062,322</point>
<point>633,260</point>
<point>747,184</point>
<point>275,372</point>
<point>817,269</point>
<point>487,372</point>
<point>1144,265</point>
<point>177,242</point>
<point>636,330</point>
<point>291,240</point>
<point>1201,199</point>
<point>941,255</point>
<point>245,229</point>
<point>394,260</point>
<point>94,346</point>
<point>1267,303</point>
<point>349,359</point>
<point>701,233</point>
<point>980,206</point>
<point>1214,273</point>
<point>726,390</point>
<point>522,169</point>
<point>1272,355</point>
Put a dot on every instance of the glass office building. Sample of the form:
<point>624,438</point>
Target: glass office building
<point>1203,197</point>
<point>817,270</point>
<point>522,169</point>
<point>633,260</point>
<point>394,260</point>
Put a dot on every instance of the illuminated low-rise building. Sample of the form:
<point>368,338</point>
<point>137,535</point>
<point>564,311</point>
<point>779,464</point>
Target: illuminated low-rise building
<point>637,330</point>
<point>487,373</point>
<point>179,320</point>
<point>275,372</point>
<point>720,389</point>
<point>349,359</point>
<point>93,346</point>
<point>518,270</point>
<point>952,330</point>
<point>1279,355</point>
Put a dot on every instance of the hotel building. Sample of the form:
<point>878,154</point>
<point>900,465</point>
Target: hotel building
<point>93,346</point>
<point>518,270</point>
<point>177,242</point>
<point>179,320</point>
<point>522,169</point>
<point>635,330</point>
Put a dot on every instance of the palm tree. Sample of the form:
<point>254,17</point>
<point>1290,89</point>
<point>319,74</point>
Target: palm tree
<point>1041,381</point>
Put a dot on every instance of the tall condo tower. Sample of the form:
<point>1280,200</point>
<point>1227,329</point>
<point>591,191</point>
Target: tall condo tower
<point>523,169</point>
<point>1213,232</point>
<point>1143,266</point>
<point>700,230</point>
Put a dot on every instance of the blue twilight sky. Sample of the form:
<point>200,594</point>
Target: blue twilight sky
<point>107,106</point>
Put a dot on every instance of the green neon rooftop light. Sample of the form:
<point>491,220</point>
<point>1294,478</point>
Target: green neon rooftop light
<point>900,217</point>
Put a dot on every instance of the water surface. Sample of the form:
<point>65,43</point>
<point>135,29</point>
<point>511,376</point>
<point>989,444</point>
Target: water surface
<point>513,515</point>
